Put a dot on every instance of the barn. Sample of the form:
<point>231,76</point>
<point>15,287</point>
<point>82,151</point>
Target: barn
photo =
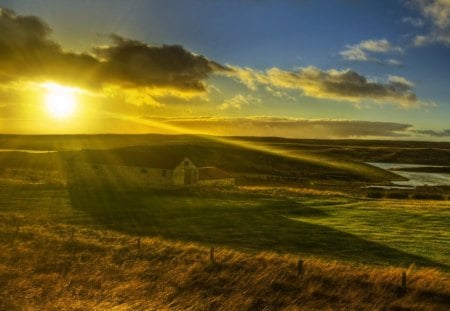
<point>213,176</point>
<point>131,170</point>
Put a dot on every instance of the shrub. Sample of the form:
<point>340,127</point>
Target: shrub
<point>428,196</point>
<point>398,195</point>
<point>375,194</point>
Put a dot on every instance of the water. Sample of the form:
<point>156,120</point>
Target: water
<point>27,150</point>
<point>415,178</point>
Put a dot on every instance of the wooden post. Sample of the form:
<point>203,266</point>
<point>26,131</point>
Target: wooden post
<point>404,282</point>
<point>138,243</point>
<point>211,255</point>
<point>299,267</point>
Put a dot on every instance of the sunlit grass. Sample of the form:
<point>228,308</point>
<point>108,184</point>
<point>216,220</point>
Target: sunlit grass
<point>253,219</point>
<point>69,248</point>
<point>413,226</point>
<point>287,190</point>
<point>53,266</point>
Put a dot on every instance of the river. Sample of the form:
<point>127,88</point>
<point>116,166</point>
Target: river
<point>415,178</point>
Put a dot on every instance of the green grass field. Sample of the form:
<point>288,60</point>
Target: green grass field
<point>384,232</point>
<point>66,247</point>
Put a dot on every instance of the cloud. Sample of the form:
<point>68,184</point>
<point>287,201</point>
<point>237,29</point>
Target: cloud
<point>437,10</point>
<point>279,94</point>
<point>289,127</point>
<point>438,13</point>
<point>340,85</point>
<point>393,62</point>
<point>432,133</point>
<point>133,63</point>
<point>143,74</point>
<point>421,40</point>
<point>416,22</point>
<point>401,82</point>
<point>442,37</point>
<point>363,50</point>
<point>238,101</point>
<point>27,53</point>
<point>378,46</point>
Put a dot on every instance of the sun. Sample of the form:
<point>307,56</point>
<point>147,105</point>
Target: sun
<point>60,100</point>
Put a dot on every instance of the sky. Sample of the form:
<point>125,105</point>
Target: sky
<point>377,69</point>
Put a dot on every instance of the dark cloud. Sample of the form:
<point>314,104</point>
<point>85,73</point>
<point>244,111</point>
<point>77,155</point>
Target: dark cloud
<point>28,53</point>
<point>130,62</point>
<point>444,133</point>
<point>352,84</point>
<point>289,127</point>
<point>343,85</point>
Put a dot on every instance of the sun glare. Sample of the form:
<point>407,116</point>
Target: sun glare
<point>60,100</point>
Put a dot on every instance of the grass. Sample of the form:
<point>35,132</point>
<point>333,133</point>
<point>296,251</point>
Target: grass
<point>418,226</point>
<point>256,219</point>
<point>43,268</point>
<point>76,249</point>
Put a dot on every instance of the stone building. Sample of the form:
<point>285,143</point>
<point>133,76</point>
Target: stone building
<point>131,171</point>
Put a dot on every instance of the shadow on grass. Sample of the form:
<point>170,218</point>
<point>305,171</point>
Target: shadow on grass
<point>232,220</point>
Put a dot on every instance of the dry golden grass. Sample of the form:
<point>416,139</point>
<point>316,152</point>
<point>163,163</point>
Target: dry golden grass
<point>274,190</point>
<point>47,266</point>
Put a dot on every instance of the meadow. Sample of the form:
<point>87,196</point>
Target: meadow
<point>69,247</point>
<point>68,250</point>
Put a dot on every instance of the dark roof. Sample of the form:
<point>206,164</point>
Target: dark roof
<point>131,158</point>
<point>212,173</point>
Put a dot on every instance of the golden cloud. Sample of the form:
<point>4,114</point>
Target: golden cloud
<point>236,102</point>
<point>341,85</point>
<point>288,127</point>
<point>27,53</point>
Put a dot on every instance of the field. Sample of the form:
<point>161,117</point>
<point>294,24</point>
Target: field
<point>80,249</point>
<point>65,247</point>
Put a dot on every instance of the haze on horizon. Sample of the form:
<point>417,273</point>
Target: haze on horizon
<point>306,69</point>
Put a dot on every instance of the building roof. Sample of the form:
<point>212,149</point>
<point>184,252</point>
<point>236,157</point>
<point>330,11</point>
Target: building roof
<point>131,158</point>
<point>208,173</point>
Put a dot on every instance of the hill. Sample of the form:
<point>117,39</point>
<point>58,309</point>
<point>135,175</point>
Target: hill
<point>243,161</point>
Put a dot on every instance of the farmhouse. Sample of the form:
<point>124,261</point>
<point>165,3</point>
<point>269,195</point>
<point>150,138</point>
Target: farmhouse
<point>131,170</point>
<point>135,169</point>
<point>212,176</point>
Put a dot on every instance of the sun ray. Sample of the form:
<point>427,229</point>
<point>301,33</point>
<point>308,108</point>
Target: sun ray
<point>349,166</point>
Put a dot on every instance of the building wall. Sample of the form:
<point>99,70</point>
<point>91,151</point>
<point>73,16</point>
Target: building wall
<point>118,176</point>
<point>130,177</point>
<point>185,173</point>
